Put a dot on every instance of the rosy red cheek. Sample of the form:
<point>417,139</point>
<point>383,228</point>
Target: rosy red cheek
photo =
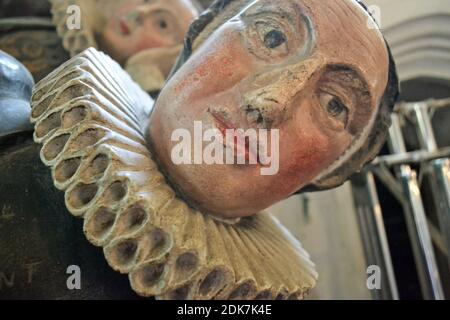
<point>315,154</point>
<point>223,66</point>
<point>308,156</point>
<point>307,149</point>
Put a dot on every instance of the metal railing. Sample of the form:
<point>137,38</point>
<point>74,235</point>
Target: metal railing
<point>396,174</point>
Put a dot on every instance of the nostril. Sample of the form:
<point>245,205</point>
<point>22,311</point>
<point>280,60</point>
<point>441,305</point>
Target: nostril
<point>258,116</point>
<point>254,115</point>
<point>259,119</point>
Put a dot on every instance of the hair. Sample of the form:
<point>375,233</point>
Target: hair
<point>214,16</point>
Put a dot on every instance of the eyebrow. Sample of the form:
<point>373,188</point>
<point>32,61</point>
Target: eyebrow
<point>299,15</point>
<point>280,13</point>
<point>350,79</point>
<point>346,70</point>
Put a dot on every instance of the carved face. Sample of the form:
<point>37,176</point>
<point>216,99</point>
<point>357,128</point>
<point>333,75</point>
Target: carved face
<point>137,25</point>
<point>315,70</point>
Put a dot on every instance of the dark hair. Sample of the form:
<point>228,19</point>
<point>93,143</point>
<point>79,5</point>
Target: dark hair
<point>376,138</point>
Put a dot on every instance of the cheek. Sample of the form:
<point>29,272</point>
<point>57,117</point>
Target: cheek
<point>307,147</point>
<point>218,65</point>
<point>115,44</point>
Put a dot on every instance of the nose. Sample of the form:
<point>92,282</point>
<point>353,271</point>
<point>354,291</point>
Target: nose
<point>274,90</point>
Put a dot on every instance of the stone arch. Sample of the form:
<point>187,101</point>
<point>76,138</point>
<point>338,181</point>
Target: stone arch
<point>419,37</point>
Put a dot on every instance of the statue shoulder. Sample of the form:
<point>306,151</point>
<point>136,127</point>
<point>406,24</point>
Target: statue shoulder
<point>16,84</point>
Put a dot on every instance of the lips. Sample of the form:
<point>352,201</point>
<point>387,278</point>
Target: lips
<point>124,29</point>
<point>240,146</point>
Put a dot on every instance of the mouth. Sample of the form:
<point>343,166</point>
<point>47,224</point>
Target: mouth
<point>124,28</point>
<point>239,143</point>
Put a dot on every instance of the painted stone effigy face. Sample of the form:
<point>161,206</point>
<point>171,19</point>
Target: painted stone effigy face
<point>315,70</point>
<point>144,36</point>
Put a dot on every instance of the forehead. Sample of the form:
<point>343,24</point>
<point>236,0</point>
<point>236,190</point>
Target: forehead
<point>344,34</point>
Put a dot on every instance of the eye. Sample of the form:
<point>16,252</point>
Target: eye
<point>274,38</point>
<point>163,21</point>
<point>268,40</point>
<point>334,108</point>
<point>162,24</point>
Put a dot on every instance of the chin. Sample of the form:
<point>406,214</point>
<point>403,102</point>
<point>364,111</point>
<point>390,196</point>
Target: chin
<point>229,193</point>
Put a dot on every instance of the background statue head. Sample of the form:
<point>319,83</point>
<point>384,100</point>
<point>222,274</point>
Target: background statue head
<point>318,71</point>
<point>144,36</point>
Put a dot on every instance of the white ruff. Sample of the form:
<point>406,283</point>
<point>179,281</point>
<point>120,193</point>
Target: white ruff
<point>88,115</point>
